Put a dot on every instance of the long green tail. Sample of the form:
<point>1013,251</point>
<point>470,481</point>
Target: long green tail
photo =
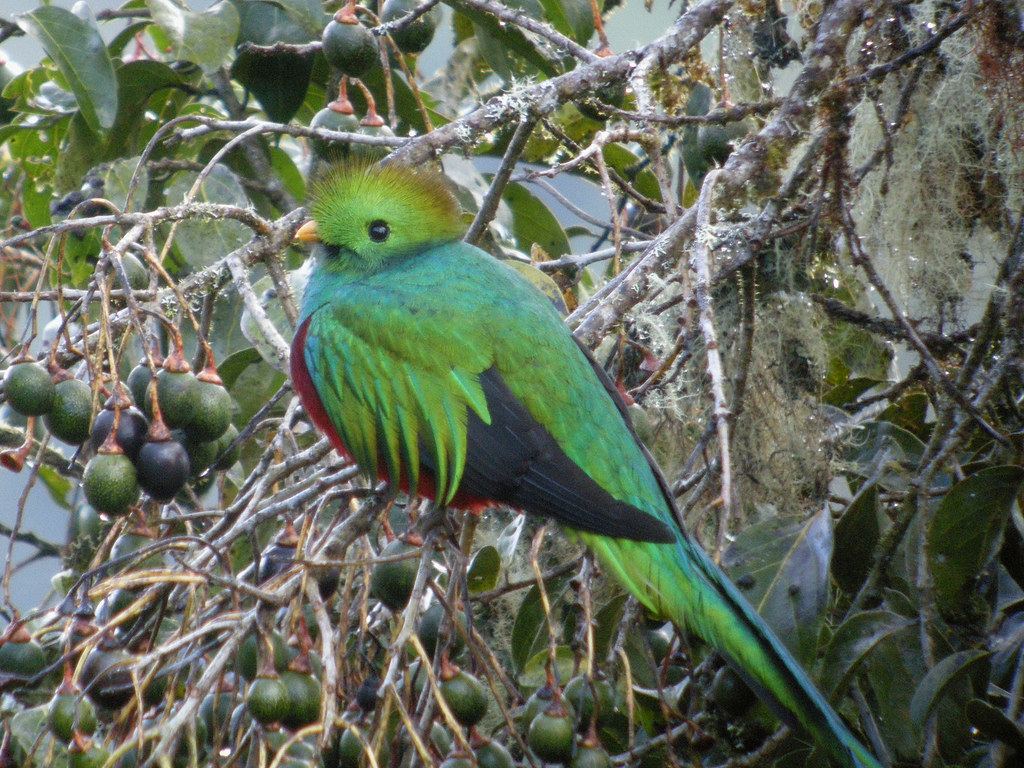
<point>681,582</point>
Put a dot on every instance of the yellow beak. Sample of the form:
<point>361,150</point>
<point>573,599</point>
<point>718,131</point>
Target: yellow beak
<point>307,233</point>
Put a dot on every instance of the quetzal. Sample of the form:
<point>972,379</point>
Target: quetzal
<point>447,373</point>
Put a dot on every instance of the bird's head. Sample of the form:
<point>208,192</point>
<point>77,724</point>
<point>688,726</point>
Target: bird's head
<point>365,216</point>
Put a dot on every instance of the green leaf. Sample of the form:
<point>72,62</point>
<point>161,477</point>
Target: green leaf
<point>81,150</point>
<point>629,166</point>
<point>27,726</point>
<point>287,173</point>
<point>56,484</point>
<point>904,451</point>
<point>231,367</point>
<point>205,38</point>
<point>533,223</point>
<point>909,412</point>
<point>606,624</point>
<point>279,81</point>
<point>891,673</point>
<point>530,630</point>
<point>138,82</point>
<point>573,18</point>
<point>787,558</point>
<point>848,392</point>
<point>503,39</point>
<point>856,534</point>
<point>534,674</point>
<point>202,242</point>
<point>127,36</point>
<point>307,14</point>
<point>484,570</point>
<point>253,388</point>
<point>992,722</point>
<point>118,175</point>
<point>966,530</point>
<point>941,677</point>
<point>78,51</point>
<point>853,642</point>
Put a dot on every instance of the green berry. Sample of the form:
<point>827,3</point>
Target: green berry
<point>110,483</point>
<point>138,277</point>
<point>29,389</point>
<point>588,756</point>
<point>85,533</point>
<point>349,47</point>
<point>215,713</point>
<point>303,699</point>
<point>368,151</point>
<point>492,755</point>
<point>245,660</point>
<point>579,694</point>
<point>414,37</point>
<point>392,582</point>
<point>90,757</point>
<point>213,414</point>
<point>130,542</point>
<point>106,678</point>
<point>429,628</point>
<point>457,760</point>
<point>68,713</point>
<point>551,734</point>
<point>540,701</point>
<point>267,700</point>
<point>178,394</point>
<point>331,120</point>
<point>21,659</point>
<point>201,455</point>
<point>138,384</point>
<point>465,697</point>
<point>730,692</point>
<point>71,413</point>
<point>347,752</point>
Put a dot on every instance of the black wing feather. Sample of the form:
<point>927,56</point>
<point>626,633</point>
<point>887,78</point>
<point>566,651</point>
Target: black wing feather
<point>516,461</point>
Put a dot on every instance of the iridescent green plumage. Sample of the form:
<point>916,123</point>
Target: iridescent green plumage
<point>426,359</point>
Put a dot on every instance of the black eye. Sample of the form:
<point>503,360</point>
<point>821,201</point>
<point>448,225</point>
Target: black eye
<point>379,231</point>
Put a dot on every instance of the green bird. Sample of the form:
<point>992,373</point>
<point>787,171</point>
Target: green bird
<point>447,373</point>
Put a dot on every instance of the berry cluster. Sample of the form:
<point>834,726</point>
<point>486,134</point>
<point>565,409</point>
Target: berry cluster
<point>182,428</point>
